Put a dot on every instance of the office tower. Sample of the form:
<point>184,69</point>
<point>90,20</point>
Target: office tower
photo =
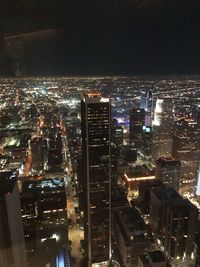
<point>162,128</point>
<point>146,147</point>
<point>146,103</point>
<point>131,235</point>
<point>186,149</point>
<point>55,157</point>
<point>45,212</point>
<point>116,133</point>
<point>37,153</point>
<point>144,193</point>
<point>95,127</point>
<point>12,246</point>
<point>129,153</point>
<point>173,221</point>
<point>168,171</point>
<point>154,258</point>
<point>146,99</point>
<point>137,122</point>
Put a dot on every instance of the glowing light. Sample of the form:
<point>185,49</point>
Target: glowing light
<point>56,236</point>
<point>139,178</point>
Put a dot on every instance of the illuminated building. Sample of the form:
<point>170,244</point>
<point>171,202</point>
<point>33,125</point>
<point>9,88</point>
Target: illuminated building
<point>173,221</point>
<point>37,153</point>
<point>116,133</point>
<point>137,122</point>
<point>131,235</point>
<point>198,182</point>
<point>146,99</point>
<point>12,245</point>
<point>55,157</point>
<point>186,149</point>
<point>137,175</point>
<point>45,212</point>
<point>162,128</point>
<point>95,129</point>
<point>146,103</point>
<point>168,171</point>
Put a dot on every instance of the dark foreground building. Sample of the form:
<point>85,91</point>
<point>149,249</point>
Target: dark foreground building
<point>12,245</point>
<point>95,119</point>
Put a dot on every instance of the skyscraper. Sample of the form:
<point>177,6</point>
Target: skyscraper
<point>137,122</point>
<point>168,171</point>
<point>37,153</point>
<point>95,126</point>
<point>146,99</point>
<point>12,245</point>
<point>146,103</point>
<point>173,220</point>
<point>186,149</point>
<point>162,128</point>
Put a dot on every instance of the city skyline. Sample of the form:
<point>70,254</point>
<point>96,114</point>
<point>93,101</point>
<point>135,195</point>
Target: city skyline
<point>124,37</point>
<point>83,153</point>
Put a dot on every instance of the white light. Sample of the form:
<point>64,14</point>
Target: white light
<point>103,99</point>
<point>56,236</point>
<point>198,185</point>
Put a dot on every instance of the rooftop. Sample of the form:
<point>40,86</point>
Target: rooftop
<point>132,226</point>
<point>7,182</point>
<point>166,194</point>
<point>44,186</point>
<point>168,160</point>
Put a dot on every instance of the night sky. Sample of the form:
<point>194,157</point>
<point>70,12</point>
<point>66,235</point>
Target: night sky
<point>105,37</point>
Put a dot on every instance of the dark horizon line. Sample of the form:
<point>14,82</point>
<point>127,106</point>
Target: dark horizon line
<point>98,75</point>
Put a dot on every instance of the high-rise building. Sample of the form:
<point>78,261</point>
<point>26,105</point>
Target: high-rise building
<point>173,221</point>
<point>146,100</point>
<point>12,245</point>
<point>95,127</point>
<point>131,234</point>
<point>45,219</point>
<point>116,133</point>
<point>146,103</point>
<point>186,149</point>
<point>162,128</point>
<point>137,124</point>
<point>37,153</point>
<point>168,171</point>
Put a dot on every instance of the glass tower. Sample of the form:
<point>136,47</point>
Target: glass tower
<point>95,120</point>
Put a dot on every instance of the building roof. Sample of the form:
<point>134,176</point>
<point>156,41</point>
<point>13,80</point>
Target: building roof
<point>168,161</point>
<point>132,226</point>
<point>44,186</point>
<point>7,182</point>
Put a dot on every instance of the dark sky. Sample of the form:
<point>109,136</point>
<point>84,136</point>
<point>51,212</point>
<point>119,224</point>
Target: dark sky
<point>107,36</point>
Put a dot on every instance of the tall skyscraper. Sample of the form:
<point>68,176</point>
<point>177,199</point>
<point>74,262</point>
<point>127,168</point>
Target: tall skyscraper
<point>137,122</point>
<point>12,245</point>
<point>146,103</point>
<point>146,99</point>
<point>162,128</point>
<point>95,126</point>
<point>37,153</point>
<point>168,171</point>
<point>186,149</point>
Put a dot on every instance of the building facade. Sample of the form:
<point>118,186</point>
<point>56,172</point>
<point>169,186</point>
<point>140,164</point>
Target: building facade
<point>173,221</point>
<point>168,171</point>
<point>162,128</point>
<point>95,128</point>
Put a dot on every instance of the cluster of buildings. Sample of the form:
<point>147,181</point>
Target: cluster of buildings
<point>158,227</point>
<point>133,186</point>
